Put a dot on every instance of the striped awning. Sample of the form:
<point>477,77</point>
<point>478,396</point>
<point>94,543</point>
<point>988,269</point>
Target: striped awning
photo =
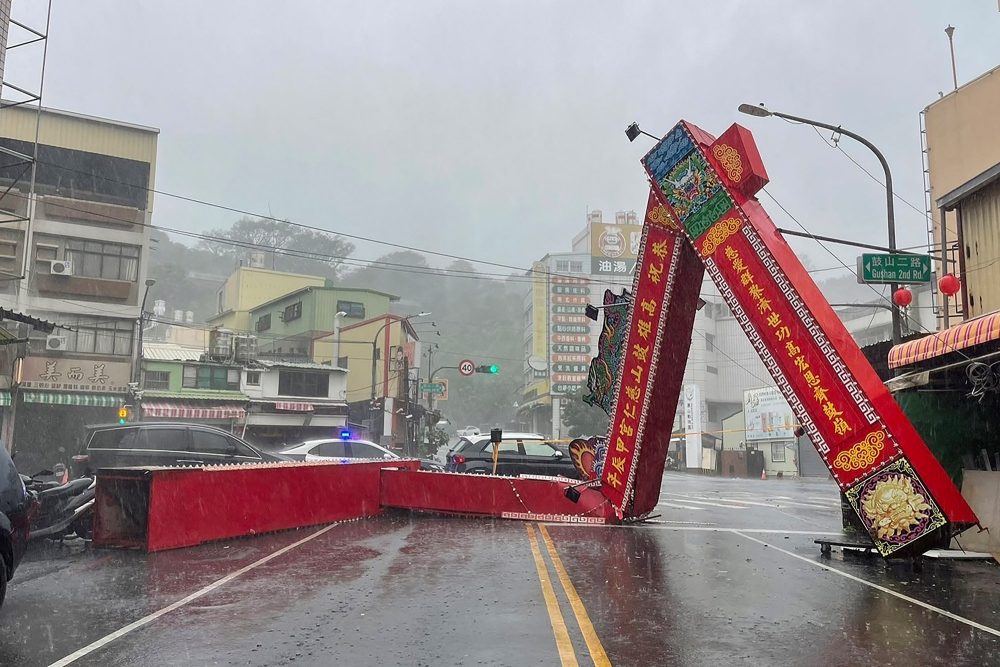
<point>974,332</point>
<point>79,399</point>
<point>290,406</point>
<point>4,398</point>
<point>177,410</point>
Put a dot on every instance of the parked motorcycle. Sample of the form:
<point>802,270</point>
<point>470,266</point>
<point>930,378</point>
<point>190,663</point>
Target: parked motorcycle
<point>65,507</point>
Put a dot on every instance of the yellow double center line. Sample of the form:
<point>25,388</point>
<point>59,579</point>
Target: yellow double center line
<point>567,655</point>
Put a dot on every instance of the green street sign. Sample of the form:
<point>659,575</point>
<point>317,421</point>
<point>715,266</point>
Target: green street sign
<point>435,388</point>
<point>885,268</point>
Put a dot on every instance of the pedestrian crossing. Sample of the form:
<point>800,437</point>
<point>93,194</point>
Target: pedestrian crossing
<point>739,500</point>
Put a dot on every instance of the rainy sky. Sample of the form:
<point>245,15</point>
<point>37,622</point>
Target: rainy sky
<point>487,130</point>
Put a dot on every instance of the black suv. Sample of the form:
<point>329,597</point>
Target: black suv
<point>15,508</point>
<point>162,444</point>
<point>519,454</point>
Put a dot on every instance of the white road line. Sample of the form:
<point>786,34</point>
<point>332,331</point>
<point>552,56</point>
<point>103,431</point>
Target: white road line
<point>705,502</point>
<point>828,501</point>
<point>919,603</point>
<point>748,502</point>
<point>678,506</point>
<point>758,503</point>
<point>658,525</point>
<point>107,639</point>
<point>792,503</point>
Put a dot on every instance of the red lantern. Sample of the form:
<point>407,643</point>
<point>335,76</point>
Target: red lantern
<point>902,297</point>
<point>949,284</point>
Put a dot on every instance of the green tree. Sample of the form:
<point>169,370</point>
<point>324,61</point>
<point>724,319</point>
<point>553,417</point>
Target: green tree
<point>186,278</point>
<point>583,419</point>
<point>287,247</point>
<point>478,317</point>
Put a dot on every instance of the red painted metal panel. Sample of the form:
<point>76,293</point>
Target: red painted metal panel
<point>682,302</point>
<point>167,508</point>
<point>660,253</point>
<point>528,498</point>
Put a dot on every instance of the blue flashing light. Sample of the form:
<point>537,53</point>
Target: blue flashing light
<point>345,434</point>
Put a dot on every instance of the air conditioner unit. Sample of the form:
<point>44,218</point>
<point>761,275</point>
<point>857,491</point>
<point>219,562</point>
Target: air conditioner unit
<point>55,343</point>
<point>60,267</point>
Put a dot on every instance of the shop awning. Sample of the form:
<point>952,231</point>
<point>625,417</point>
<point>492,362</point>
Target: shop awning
<point>290,406</point>
<point>4,398</point>
<point>188,395</point>
<point>178,410</point>
<point>974,332</point>
<point>79,399</point>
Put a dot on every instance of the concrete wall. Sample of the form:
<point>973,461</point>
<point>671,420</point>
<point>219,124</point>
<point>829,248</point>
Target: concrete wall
<point>982,491</point>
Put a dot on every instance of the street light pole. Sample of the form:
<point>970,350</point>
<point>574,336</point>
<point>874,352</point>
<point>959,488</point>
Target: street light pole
<point>762,112</point>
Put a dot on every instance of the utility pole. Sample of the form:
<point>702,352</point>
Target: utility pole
<point>950,31</point>
<point>407,418</point>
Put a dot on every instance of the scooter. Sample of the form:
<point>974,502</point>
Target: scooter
<point>64,507</point>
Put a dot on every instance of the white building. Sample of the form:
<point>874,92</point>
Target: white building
<point>560,341</point>
<point>294,401</point>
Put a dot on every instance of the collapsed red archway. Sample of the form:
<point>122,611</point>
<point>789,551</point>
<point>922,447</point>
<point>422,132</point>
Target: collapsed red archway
<point>702,216</point>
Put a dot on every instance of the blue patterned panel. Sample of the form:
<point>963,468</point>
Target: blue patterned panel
<point>666,154</point>
<point>689,185</point>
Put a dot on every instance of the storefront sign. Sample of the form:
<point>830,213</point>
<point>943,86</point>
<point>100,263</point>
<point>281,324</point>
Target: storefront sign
<point>61,374</point>
<point>614,248</point>
<point>693,426</point>
<point>768,416</point>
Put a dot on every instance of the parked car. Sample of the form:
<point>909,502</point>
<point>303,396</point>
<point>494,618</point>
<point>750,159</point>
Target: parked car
<point>333,449</point>
<point>519,454</point>
<point>162,444</point>
<point>15,514</point>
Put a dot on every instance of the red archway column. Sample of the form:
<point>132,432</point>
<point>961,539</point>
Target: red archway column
<point>707,186</point>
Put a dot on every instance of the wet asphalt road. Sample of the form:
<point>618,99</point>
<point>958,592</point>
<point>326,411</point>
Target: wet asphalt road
<point>728,574</point>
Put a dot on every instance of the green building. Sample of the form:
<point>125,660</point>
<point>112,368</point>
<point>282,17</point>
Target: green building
<point>302,325</point>
<point>177,385</point>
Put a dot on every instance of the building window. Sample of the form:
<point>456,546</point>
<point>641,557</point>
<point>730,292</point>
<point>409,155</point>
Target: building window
<point>292,312</point>
<point>709,342</point>
<point>562,265</point>
<point>576,267</point>
<point>253,378</point>
<point>712,370</point>
<point>778,452</point>
<point>352,308</point>
<point>298,383</point>
<point>109,261</point>
<point>211,377</point>
<point>264,322</point>
<point>342,362</point>
<point>157,380</point>
<point>111,337</point>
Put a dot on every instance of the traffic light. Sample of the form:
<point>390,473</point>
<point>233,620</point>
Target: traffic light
<point>123,415</point>
<point>492,369</point>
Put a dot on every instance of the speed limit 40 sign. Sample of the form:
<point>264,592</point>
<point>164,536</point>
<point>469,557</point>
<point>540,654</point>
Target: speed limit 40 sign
<point>466,367</point>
